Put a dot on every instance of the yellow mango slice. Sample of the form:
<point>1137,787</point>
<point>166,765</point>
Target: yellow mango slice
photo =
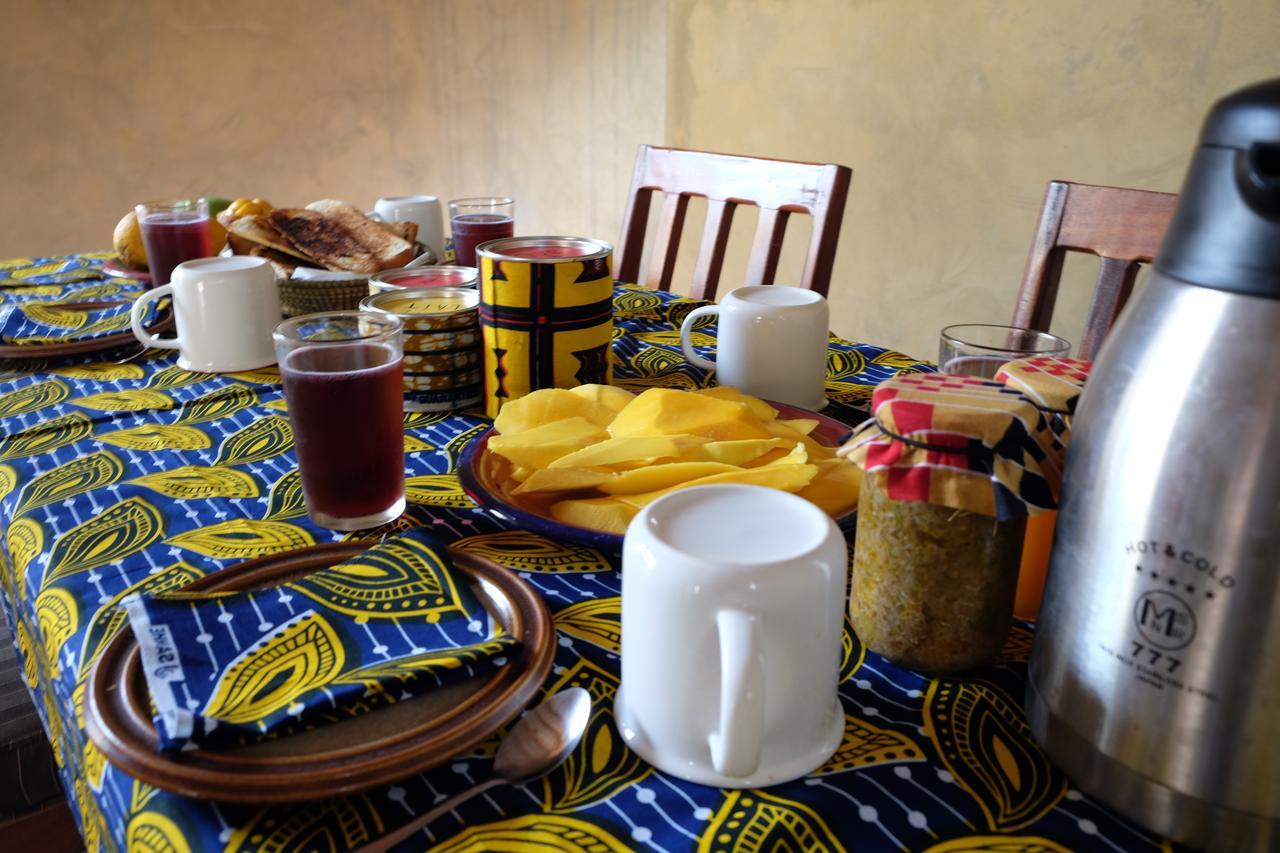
<point>800,425</point>
<point>836,487</point>
<point>548,405</point>
<point>770,457</point>
<point>539,446</point>
<point>617,452</point>
<point>613,398</point>
<point>816,450</point>
<point>607,514</point>
<point>521,473</point>
<point>562,480</point>
<point>788,478</point>
<point>797,456</point>
<point>758,407</point>
<point>656,477</point>
<point>738,452</point>
<point>667,411</point>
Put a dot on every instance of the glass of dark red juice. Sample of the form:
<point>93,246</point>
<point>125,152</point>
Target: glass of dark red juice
<point>173,232</point>
<point>342,373</point>
<point>478,220</point>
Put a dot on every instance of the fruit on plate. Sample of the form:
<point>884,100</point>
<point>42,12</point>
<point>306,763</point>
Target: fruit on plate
<point>217,236</point>
<point>594,455</point>
<point>216,205</point>
<point>127,241</point>
<point>245,207</point>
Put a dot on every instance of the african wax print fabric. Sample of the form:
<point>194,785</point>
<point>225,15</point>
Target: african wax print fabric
<point>230,667</point>
<point>59,300</point>
<point>958,441</point>
<point>122,474</point>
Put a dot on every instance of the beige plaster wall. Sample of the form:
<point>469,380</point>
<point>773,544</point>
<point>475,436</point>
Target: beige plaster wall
<point>103,104</point>
<point>953,115</point>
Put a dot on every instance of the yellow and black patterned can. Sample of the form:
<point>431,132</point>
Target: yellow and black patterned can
<point>441,345</point>
<point>546,315</point>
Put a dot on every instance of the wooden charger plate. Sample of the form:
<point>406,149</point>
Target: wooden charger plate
<point>338,758</point>
<point>162,323</point>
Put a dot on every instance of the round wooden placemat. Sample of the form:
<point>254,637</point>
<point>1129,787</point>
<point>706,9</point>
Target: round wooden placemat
<point>339,758</point>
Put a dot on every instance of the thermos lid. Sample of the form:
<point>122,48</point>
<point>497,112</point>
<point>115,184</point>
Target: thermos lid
<point>1225,233</point>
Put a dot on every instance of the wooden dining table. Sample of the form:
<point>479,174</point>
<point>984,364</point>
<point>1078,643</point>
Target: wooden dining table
<point>120,472</point>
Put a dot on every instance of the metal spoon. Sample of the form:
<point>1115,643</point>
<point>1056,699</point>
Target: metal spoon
<point>542,739</point>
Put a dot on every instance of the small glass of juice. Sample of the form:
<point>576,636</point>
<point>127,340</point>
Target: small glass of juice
<point>173,232</point>
<point>477,220</point>
<point>342,374</point>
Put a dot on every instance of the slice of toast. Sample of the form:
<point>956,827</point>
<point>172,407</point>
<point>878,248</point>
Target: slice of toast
<point>339,237</point>
<point>258,230</point>
<point>283,264</point>
<point>407,231</point>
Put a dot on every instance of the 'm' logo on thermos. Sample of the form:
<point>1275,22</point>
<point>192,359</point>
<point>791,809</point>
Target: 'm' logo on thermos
<point>1164,620</point>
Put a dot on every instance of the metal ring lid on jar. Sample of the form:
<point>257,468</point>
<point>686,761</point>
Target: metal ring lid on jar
<point>438,275</point>
<point>544,250</point>
<point>433,302</point>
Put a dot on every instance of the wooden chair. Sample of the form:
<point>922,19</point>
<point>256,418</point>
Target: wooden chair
<point>778,187</point>
<point>1123,227</point>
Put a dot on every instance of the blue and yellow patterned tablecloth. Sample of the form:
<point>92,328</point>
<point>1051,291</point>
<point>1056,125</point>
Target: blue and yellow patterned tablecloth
<point>121,477</point>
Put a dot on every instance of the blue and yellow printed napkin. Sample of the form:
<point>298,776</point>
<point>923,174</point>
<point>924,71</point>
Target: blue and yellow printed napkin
<point>60,320</point>
<point>233,667</point>
<point>58,300</point>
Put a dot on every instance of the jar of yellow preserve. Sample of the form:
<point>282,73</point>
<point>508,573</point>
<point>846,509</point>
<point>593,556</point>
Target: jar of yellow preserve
<point>952,469</point>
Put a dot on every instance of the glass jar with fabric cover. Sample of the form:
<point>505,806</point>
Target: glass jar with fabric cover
<point>953,466</point>
<point>1054,385</point>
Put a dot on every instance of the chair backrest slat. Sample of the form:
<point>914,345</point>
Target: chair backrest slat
<point>1123,227</point>
<point>766,246</point>
<point>777,187</point>
<point>666,247</point>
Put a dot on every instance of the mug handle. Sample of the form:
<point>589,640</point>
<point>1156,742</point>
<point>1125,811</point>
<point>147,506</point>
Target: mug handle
<point>735,748</point>
<point>686,330</point>
<point>135,319</point>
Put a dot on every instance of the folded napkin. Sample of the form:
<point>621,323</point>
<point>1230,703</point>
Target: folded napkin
<point>313,274</point>
<point>234,667</point>
<point>41,321</point>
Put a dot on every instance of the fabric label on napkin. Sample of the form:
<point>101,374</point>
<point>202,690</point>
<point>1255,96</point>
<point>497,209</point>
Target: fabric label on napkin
<point>233,667</point>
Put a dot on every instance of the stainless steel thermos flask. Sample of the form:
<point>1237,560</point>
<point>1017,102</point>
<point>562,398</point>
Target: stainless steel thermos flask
<point>1155,676</point>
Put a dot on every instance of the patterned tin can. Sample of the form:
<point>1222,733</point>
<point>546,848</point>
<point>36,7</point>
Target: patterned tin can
<point>441,345</point>
<point>546,314</point>
<point>414,278</point>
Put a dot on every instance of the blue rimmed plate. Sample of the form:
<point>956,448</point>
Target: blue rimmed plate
<point>482,475</point>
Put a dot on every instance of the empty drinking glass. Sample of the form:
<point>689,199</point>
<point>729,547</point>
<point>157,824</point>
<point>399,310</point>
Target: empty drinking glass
<point>979,349</point>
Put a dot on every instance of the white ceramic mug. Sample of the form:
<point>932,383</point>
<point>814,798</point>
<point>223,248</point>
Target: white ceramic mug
<point>422,209</point>
<point>732,611</point>
<point>771,342</point>
<point>225,309</point>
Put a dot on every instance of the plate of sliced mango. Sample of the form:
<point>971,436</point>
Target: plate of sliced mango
<point>578,464</point>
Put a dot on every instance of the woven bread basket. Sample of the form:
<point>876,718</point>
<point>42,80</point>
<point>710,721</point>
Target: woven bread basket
<point>309,297</point>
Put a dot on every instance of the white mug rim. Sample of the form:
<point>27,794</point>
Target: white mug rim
<point>221,264</point>
<point>407,199</point>
<point>653,536</point>
<point>799,297</point>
